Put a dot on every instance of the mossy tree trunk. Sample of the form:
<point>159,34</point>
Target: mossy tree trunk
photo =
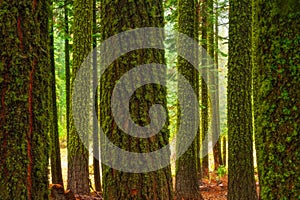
<point>241,183</point>
<point>197,78</point>
<point>187,185</point>
<point>204,94</point>
<point>276,97</point>
<point>78,172</point>
<point>25,91</point>
<point>55,160</point>
<point>116,17</point>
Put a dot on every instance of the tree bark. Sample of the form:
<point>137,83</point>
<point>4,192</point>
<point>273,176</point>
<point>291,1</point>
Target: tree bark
<point>241,183</point>
<point>119,16</point>
<point>78,156</point>
<point>25,99</point>
<point>276,97</point>
<point>204,95</point>
<point>187,185</point>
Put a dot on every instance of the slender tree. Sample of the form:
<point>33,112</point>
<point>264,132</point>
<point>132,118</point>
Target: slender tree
<point>116,17</point>
<point>55,159</point>
<point>204,93</point>
<point>67,65</point>
<point>187,185</point>
<point>241,183</point>
<point>197,85</point>
<point>213,52</point>
<point>276,97</point>
<point>78,172</point>
<point>96,143</point>
<point>25,92</point>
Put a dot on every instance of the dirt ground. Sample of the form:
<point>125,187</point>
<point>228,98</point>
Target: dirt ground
<point>210,188</point>
<point>213,189</point>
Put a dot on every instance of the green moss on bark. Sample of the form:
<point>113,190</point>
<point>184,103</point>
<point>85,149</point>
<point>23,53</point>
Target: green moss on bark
<point>276,97</point>
<point>204,93</point>
<point>241,183</point>
<point>78,173</point>
<point>187,186</point>
<point>116,17</point>
<point>25,93</point>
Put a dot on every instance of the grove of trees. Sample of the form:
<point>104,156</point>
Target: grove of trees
<point>245,77</point>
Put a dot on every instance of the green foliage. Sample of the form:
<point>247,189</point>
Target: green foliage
<point>59,56</point>
<point>171,13</point>
<point>221,171</point>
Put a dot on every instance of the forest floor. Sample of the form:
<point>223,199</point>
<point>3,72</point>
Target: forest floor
<point>211,189</point>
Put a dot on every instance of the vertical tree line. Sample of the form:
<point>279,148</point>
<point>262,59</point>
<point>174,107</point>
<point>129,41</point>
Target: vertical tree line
<point>56,171</point>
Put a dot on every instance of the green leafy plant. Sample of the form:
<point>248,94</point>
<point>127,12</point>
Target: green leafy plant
<point>221,171</point>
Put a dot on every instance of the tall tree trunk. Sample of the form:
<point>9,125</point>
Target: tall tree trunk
<point>204,94</point>
<point>215,83</point>
<point>187,185</point>
<point>55,159</point>
<point>78,172</point>
<point>197,85</point>
<point>276,97</point>
<point>96,144</point>
<point>241,183</point>
<point>67,66</point>
<point>25,92</point>
<point>119,16</point>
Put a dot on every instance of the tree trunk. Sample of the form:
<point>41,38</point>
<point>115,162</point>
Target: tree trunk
<point>55,159</point>
<point>187,185</point>
<point>67,67</point>
<point>204,95</point>
<point>96,144</point>
<point>119,16</point>
<point>197,85</point>
<point>215,92</point>
<point>241,183</point>
<point>276,97</point>
<point>78,172</point>
<point>224,150</point>
<point>25,92</point>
